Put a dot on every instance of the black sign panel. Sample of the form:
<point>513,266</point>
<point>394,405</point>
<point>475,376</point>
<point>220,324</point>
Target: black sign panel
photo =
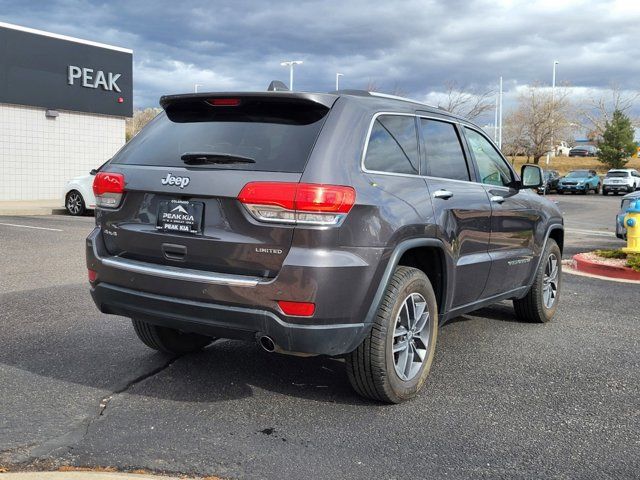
<point>43,71</point>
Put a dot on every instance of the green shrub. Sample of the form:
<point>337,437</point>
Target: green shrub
<point>633,261</point>
<point>611,254</point>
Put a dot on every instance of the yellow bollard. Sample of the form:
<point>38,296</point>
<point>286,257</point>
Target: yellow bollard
<point>632,223</point>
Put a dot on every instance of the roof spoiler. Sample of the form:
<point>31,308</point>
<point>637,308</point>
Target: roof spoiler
<point>204,99</point>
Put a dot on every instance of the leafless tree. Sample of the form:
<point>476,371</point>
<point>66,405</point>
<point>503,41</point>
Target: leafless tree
<point>139,119</point>
<point>538,119</point>
<point>598,110</point>
<point>515,141</point>
<point>466,102</point>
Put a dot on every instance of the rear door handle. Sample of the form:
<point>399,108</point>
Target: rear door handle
<point>442,194</point>
<point>497,199</point>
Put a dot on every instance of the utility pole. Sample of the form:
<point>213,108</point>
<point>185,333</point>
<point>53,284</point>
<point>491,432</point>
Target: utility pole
<point>290,64</point>
<point>500,117</point>
<point>495,123</point>
<point>338,75</point>
<point>553,105</point>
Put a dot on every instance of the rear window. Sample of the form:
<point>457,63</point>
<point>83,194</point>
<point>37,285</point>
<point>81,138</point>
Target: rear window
<point>393,145</point>
<point>617,174</point>
<point>277,136</point>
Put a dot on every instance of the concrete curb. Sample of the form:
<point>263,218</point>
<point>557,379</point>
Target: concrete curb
<point>89,475</point>
<point>81,475</point>
<point>31,207</point>
<point>582,264</point>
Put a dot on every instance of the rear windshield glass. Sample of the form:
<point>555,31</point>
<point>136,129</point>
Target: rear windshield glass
<point>276,137</point>
<point>617,174</point>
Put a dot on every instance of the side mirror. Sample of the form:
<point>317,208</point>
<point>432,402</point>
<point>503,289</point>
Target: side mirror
<point>531,176</point>
<point>93,171</point>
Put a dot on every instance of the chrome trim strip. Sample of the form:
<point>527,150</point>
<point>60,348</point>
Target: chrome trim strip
<point>177,273</point>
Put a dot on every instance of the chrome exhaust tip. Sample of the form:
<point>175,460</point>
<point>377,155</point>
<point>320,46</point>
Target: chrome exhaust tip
<point>267,343</point>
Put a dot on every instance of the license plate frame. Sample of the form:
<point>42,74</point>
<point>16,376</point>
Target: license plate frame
<point>180,216</point>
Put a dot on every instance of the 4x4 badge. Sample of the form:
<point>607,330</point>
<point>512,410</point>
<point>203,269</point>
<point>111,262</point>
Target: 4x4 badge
<point>171,179</point>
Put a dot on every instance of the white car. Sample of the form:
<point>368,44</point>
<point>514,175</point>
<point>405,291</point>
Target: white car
<point>78,194</point>
<point>621,180</point>
<point>563,149</point>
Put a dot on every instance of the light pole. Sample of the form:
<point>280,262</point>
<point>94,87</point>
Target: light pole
<point>500,117</point>
<point>195,87</point>
<point>495,123</point>
<point>338,75</point>
<point>553,104</point>
<point>290,64</point>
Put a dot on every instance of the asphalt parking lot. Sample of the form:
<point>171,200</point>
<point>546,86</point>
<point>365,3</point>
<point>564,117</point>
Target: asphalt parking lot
<point>504,399</point>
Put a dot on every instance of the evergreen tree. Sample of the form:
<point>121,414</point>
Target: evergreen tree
<point>617,143</point>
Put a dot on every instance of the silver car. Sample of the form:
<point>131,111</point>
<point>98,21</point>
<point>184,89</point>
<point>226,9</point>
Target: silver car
<point>621,231</point>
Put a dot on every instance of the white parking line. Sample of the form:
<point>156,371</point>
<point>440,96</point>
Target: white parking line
<point>594,233</point>
<point>29,226</point>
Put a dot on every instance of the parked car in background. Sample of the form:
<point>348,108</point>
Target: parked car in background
<point>581,181</point>
<point>563,149</point>
<point>584,151</point>
<point>621,180</point>
<point>621,230</point>
<point>550,181</point>
<point>78,193</point>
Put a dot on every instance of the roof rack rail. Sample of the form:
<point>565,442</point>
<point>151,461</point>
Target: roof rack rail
<point>404,99</point>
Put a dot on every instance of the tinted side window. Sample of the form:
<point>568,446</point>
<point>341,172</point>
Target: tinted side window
<point>492,167</point>
<point>393,145</point>
<point>443,152</point>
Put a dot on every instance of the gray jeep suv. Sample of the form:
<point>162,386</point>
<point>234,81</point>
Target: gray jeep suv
<point>345,224</point>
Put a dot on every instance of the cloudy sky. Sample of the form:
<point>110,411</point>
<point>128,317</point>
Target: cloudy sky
<point>411,46</point>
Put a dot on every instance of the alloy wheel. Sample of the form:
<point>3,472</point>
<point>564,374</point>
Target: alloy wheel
<point>411,336</point>
<point>74,203</point>
<point>550,281</point>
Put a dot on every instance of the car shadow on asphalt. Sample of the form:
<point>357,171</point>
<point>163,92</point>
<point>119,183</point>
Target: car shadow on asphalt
<point>231,370</point>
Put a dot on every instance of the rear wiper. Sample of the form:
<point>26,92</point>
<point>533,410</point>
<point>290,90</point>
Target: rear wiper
<point>220,158</point>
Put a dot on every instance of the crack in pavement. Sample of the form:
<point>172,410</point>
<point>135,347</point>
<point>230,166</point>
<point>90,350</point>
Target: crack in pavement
<point>61,444</point>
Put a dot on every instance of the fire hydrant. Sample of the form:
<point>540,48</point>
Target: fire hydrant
<point>632,223</point>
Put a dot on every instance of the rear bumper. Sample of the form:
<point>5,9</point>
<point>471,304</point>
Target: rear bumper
<point>341,283</point>
<point>618,187</point>
<point>224,321</point>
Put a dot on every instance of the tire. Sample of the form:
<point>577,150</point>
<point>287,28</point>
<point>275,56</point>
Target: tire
<point>169,340</point>
<point>374,369</point>
<point>74,203</point>
<point>605,192</point>
<point>535,306</point>
<point>597,189</point>
<point>560,192</point>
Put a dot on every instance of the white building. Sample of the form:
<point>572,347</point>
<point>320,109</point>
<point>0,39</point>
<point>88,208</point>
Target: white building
<point>63,104</point>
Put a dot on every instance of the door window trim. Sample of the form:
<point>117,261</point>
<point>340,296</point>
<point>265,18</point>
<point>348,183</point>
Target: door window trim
<point>461,138</point>
<point>514,176</point>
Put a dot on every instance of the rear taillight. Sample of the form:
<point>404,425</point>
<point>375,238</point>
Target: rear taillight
<point>93,275</point>
<point>299,203</point>
<point>297,309</point>
<point>108,189</point>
